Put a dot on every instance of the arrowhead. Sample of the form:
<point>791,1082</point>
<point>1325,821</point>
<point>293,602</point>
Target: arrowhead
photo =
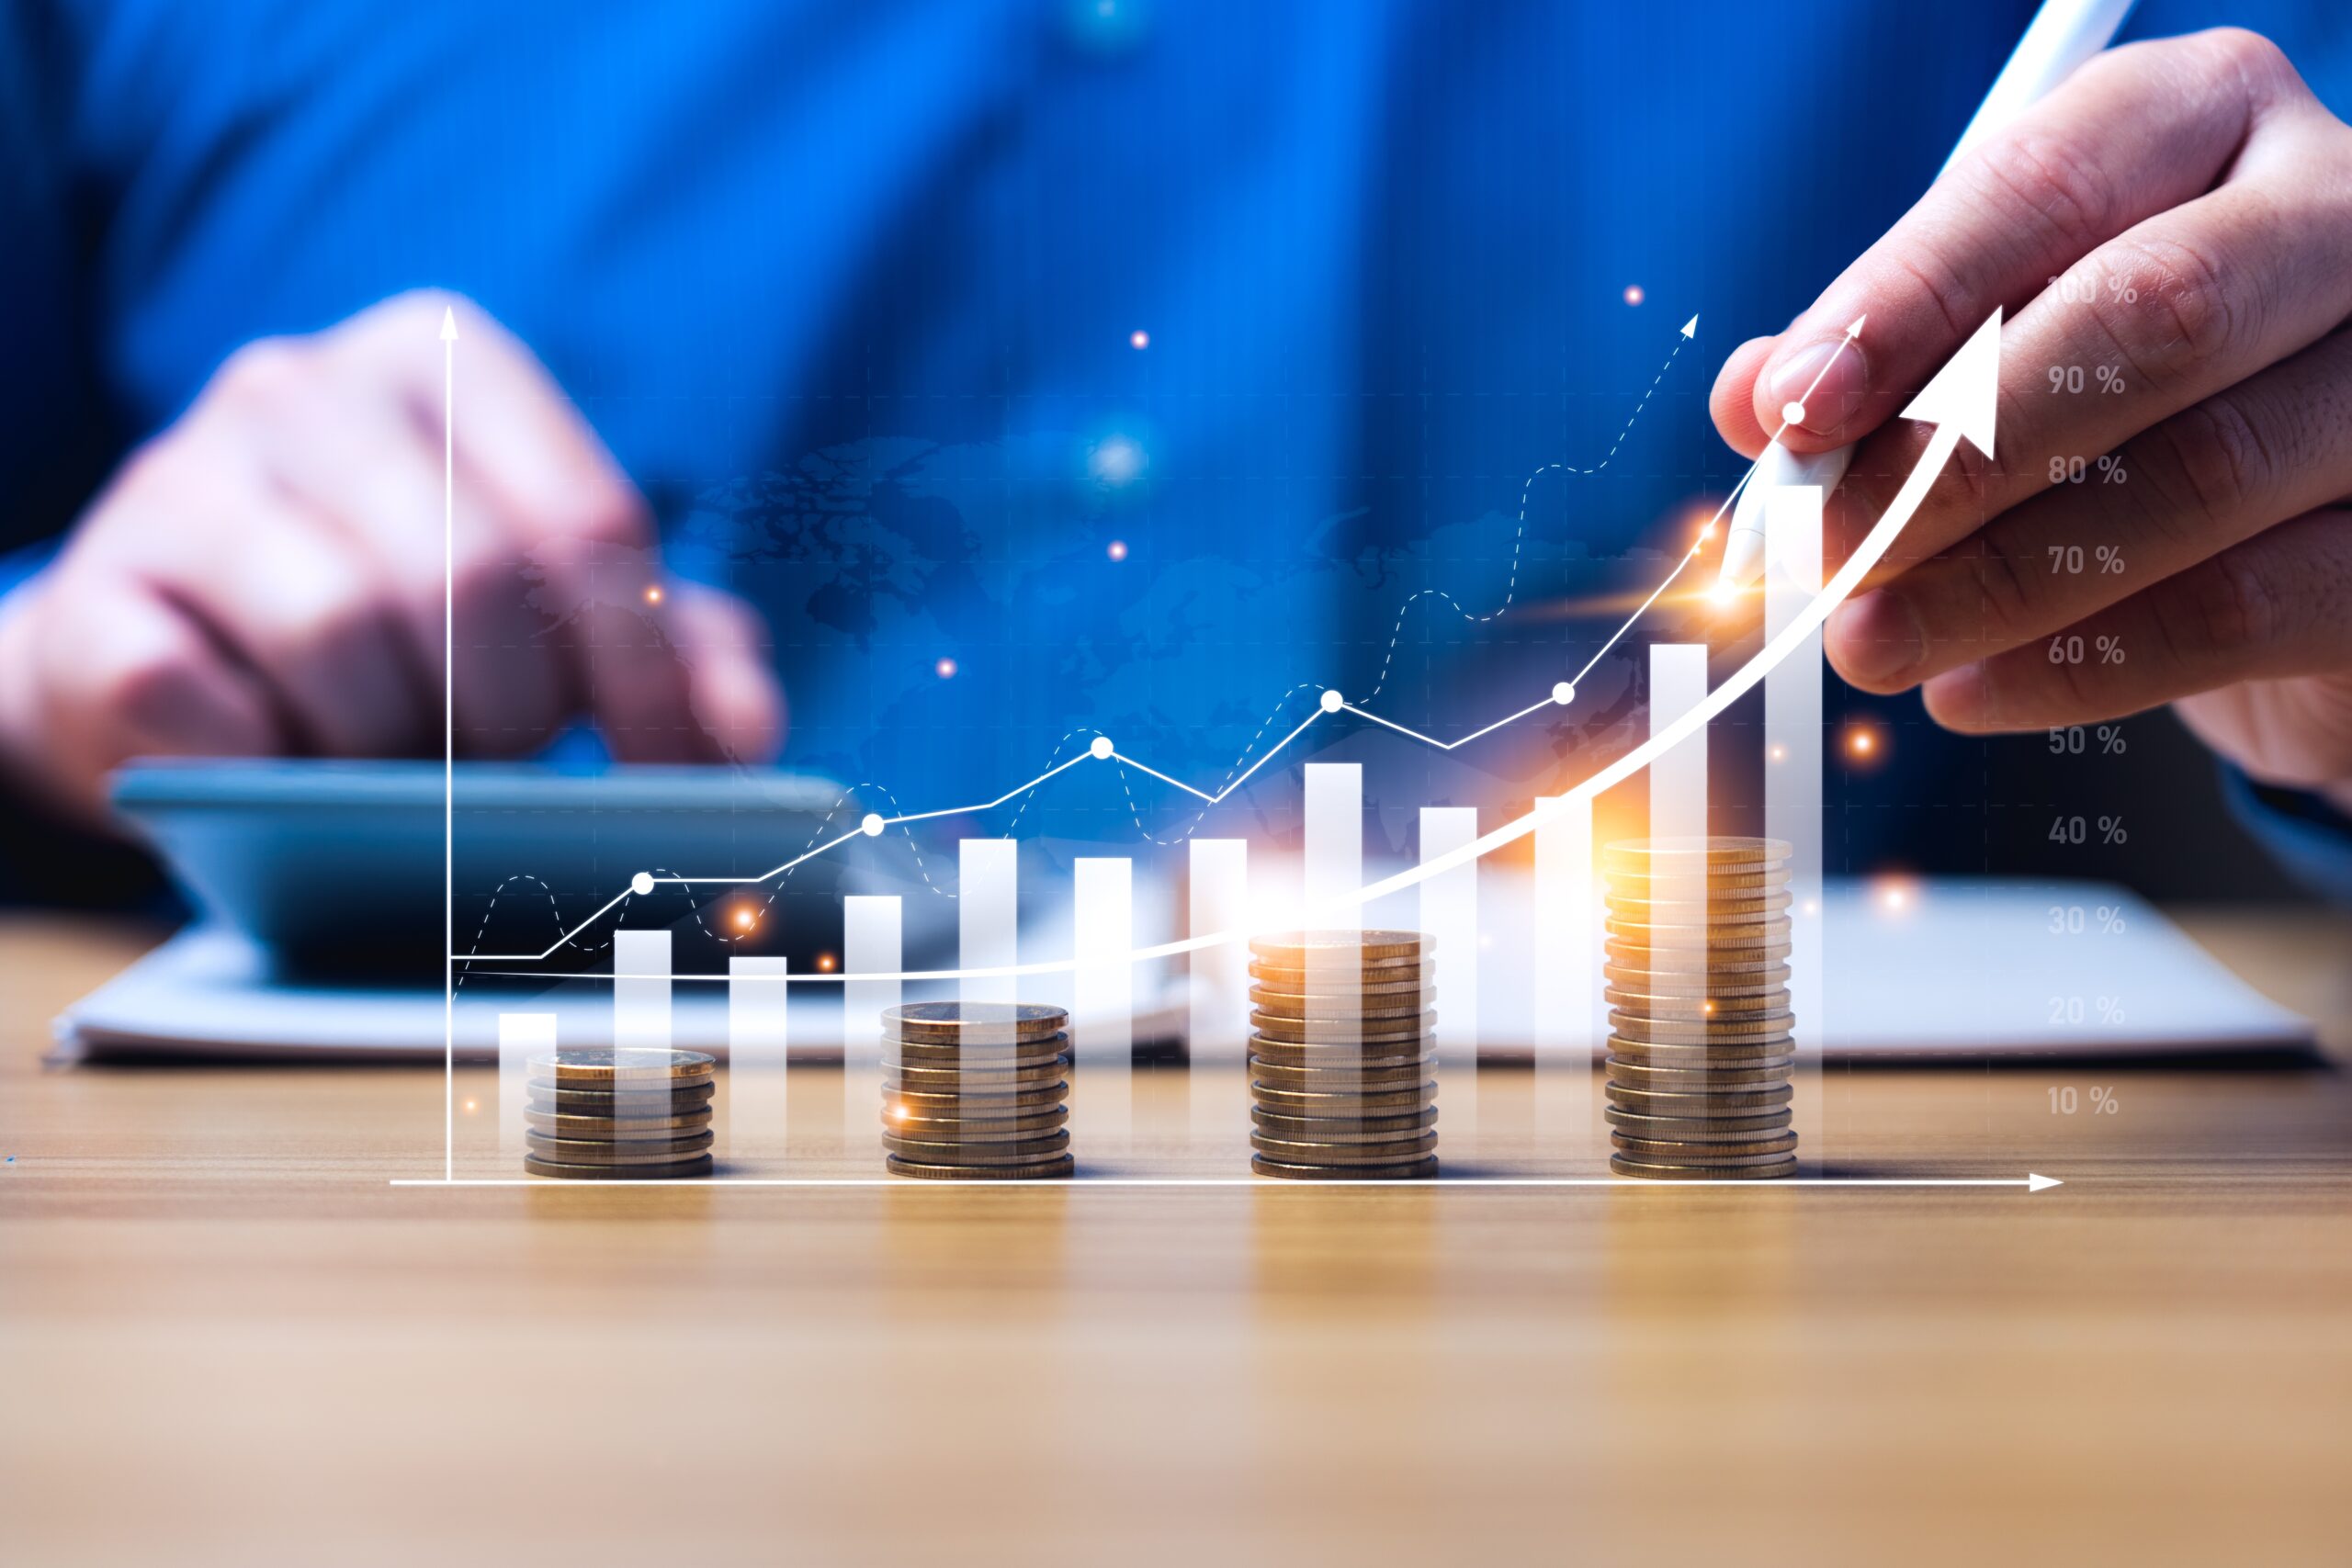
<point>1691,327</point>
<point>1856,329</point>
<point>2038,1183</point>
<point>448,324</point>
<point>1966,391</point>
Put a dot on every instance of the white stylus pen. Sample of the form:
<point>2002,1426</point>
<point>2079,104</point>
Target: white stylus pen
<point>2063,34</point>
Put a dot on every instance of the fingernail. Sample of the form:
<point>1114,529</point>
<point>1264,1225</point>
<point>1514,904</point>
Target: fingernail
<point>1822,406</point>
<point>1875,639</point>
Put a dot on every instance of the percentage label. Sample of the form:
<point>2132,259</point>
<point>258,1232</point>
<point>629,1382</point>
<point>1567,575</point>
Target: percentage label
<point>2071,560</point>
<point>2077,830</point>
<point>2071,919</point>
<point>2072,739</point>
<point>2066,1101</point>
<point>2108,378</point>
<point>2105,649</point>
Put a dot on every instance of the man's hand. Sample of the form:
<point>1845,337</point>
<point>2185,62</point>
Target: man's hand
<point>2171,232</point>
<point>266,577</point>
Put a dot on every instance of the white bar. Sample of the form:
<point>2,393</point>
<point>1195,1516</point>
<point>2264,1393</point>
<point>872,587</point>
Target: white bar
<point>521,1037</point>
<point>1677,779</point>
<point>988,916</point>
<point>1102,1082</point>
<point>1450,918</point>
<point>1218,1083</point>
<point>869,946</point>
<point>1793,796</point>
<point>1566,953</point>
<point>1334,870</point>
<point>757,1040</point>
<point>641,1003</point>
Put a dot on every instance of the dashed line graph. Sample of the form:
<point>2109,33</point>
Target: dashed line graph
<point>1958,402</point>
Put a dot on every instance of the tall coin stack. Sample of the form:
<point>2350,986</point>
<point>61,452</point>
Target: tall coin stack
<point>1340,1056</point>
<point>637,1114</point>
<point>1697,982</point>
<point>974,1092</point>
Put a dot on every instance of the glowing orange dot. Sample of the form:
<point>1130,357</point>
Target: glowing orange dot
<point>900,1113</point>
<point>745,918</point>
<point>1862,743</point>
<point>1707,1007</point>
<point>1780,753</point>
<point>1634,295</point>
<point>653,594</point>
<point>1139,338</point>
<point>946,667</point>
<point>469,1108</point>
<point>1118,550</point>
<point>825,961</point>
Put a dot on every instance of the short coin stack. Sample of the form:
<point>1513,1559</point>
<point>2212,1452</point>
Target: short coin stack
<point>974,1092</point>
<point>619,1115</point>
<point>1341,1057</point>
<point>1697,982</point>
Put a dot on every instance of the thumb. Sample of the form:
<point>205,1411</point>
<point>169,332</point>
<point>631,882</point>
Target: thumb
<point>731,689</point>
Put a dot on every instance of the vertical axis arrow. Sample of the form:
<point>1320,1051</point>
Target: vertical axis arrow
<point>448,743</point>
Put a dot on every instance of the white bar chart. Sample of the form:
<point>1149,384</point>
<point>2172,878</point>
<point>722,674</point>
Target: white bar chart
<point>988,914</point>
<point>870,945</point>
<point>1218,998</point>
<point>1450,918</point>
<point>1334,870</point>
<point>1567,953</point>
<point>759,1041</point>
<point>1793,797</point>
<point>1103,1065</point>
<point>521,1037</point>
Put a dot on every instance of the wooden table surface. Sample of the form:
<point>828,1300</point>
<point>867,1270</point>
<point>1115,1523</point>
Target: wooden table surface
<point>225,1339</point>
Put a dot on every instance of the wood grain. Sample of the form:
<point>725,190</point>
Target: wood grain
<point>225,1339</point>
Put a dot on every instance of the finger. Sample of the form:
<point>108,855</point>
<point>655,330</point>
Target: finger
<point>1732,403</point>
<point>2269,448</point>
<point>629,672</point>
<point>295,604</point>
<point>735,696</point>
<point>2134,133</point>
<point>352,450</point>
<point>122,674</point>
<point>2278,605</point>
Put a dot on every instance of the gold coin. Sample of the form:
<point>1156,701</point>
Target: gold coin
<point>1325,1103</point>
<point>1019,1102</point>
<point>1711,961</point>
<point>1765,980</point>
<point>1403,973</point>
<point>1649,854</point>
<point>1718,882</point>
<point>1761,931</point>
<point>1727,1102</point>
<point>1710,904</point>
<point>617,1128</point>
<point>1052,1169</point>
<point>1626,1165</point>
<point>934,1080</point>
<point>1395,1151</point>
<point>1289,1031</point>
<point>1300,1001</point>
<point>1687,1080</point>
<point>1689,1058</point>
<point>1023,1052</point>
<point>975,1129</point>
<point>700,1165</point>
<point>1696,1128</point>
<point>1701,1032</point>
<point>602,1067</point>
<point>1696,1010</point>
<point>605,1102</point>
<point>1419,1170</point>
<point>1306,950</point>
<point>1024,1151</point>
<point>1687,1151</point>
<point>1341,1074</point>
<point>949,1023</point>
<point>1371,1054</point>
<point>1410,1003</point>
<point>585,1151</point>
<point>1336,1130</point>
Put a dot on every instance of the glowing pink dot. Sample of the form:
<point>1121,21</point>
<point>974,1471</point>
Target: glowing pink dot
<point>946,667</point>
<point>1139,338</point>
<point>1634,295</point>
<point>1118,550</point>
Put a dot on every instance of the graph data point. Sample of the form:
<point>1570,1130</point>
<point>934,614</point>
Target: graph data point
<point>642,884</point>
<point>1102,746</point>
<point>1331,702</point>
<point>1793,414</point>
<point>1563,693</point>
<point>872,824</point>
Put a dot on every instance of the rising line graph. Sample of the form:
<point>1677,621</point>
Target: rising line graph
<point>1959,401</point>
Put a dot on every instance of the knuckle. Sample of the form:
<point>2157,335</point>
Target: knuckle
<point>2005,594</point>
<point>2249,56</point>
<point>2171,308</point>
<point>266,370</point>
<point>2053,176</point>
<point>1923,273</point>
<point>2220,458</point>
<point>2222,611</point>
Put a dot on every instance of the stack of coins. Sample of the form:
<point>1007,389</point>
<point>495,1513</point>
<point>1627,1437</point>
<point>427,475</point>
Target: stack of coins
<point>628,1114</point>
<point>974,1092</point>
<point>1341,1056</point>
<point>1699,1045</point>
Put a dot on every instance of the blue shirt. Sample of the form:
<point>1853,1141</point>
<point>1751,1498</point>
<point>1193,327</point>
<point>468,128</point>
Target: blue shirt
<point>851,290</point>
